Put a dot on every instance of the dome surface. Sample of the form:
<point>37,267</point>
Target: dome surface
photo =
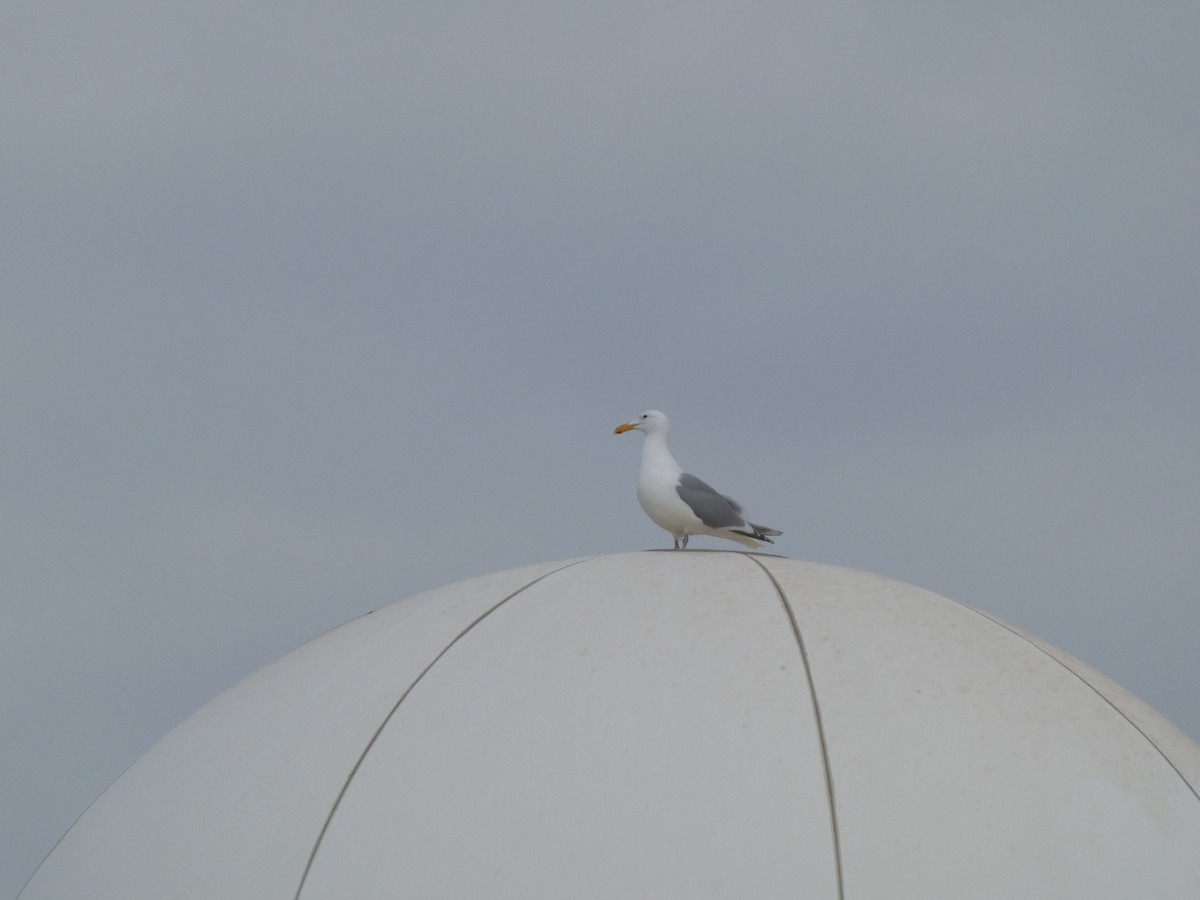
<point>655,725</point>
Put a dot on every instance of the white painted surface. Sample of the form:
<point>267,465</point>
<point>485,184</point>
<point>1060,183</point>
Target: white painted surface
<point>968,762</point>
<point>641,725</point>
<point>637,728</point>
<point>229,804</point>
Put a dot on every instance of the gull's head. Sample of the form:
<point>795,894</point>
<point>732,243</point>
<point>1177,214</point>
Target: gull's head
<point>650,422</point>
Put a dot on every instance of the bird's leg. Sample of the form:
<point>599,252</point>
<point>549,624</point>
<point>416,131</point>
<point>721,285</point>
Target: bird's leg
<point>676,542</point>
<point>683,546</point>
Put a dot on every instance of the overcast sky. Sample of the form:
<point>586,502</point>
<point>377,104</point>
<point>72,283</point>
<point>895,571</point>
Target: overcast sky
<point>304,309</point>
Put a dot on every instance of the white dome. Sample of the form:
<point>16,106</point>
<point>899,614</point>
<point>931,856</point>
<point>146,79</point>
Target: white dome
<point>658,725</point>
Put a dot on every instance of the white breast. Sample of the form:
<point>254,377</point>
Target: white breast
<point>656,488</point>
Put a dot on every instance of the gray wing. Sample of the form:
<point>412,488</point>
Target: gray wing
<point>713,509</point>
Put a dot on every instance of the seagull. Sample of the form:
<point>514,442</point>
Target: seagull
<point>682,503</point>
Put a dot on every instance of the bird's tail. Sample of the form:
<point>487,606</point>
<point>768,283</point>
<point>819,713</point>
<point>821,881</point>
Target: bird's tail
<point>760,532</point>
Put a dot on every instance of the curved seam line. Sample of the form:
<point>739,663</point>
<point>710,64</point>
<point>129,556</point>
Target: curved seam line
<point>812,693</point>
<point>312,856</point>
<point>1095,690</point>
<point>62,837</point>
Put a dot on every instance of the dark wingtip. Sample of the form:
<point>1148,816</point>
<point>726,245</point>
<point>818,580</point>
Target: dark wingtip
<point>762,531</point>
<point>756,534</point>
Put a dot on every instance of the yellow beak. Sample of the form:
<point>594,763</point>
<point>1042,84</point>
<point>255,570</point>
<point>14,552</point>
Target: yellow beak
<point>628,426</point>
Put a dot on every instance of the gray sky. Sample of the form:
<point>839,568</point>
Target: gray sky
<point>308,308</point>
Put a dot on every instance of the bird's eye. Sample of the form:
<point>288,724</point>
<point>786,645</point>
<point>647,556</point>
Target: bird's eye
<point>644,416</point>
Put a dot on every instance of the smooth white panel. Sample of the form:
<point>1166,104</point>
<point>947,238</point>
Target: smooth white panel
<point>967,762</point>
<point>1177,746</point>
<point>229,804</point>
<point>636,726</point>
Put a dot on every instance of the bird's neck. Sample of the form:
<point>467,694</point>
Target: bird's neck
<point>656,455</point>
